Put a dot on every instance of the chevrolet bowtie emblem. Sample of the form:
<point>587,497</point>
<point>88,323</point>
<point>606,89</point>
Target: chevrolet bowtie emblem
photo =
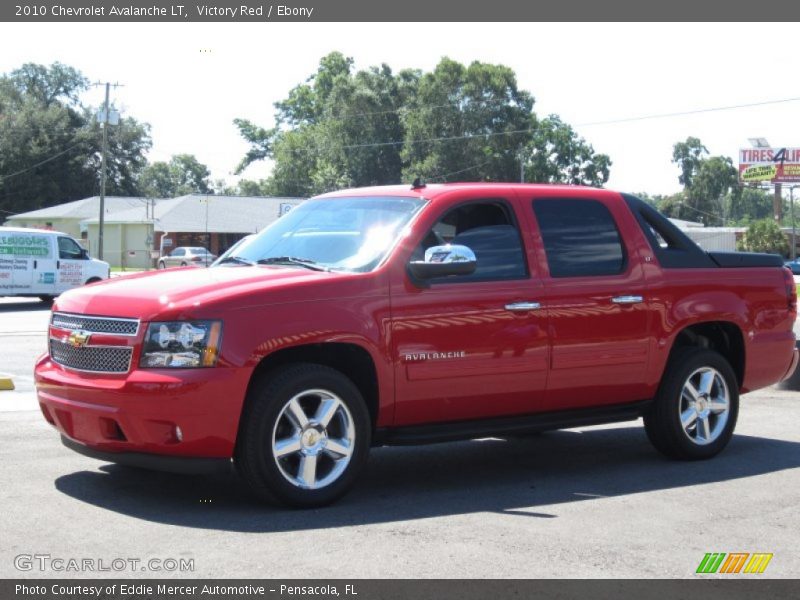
<point>79,338</point>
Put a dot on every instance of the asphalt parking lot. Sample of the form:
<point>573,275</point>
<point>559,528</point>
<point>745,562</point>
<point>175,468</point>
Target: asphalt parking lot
<point>594,502</point>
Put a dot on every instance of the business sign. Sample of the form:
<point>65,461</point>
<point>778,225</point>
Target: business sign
<point>771,165</point>
<point>20,244</point>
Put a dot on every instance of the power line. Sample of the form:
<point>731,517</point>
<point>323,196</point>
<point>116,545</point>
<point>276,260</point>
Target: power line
<point>589,124</point>
<point>446,175</point>
<point>688,112</point>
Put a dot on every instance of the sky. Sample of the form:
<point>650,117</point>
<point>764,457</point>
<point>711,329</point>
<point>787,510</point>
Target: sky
<point>189,81</point>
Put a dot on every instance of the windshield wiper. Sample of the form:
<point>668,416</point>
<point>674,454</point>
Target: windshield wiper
<point>292,260</point>
<point>237,259</point>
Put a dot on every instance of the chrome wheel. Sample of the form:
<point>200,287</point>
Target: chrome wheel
<point>704,406</point>
<point>313,439</point>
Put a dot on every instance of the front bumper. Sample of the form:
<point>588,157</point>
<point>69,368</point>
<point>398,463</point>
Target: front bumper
<point>190,413</point>
<point>156,462</point>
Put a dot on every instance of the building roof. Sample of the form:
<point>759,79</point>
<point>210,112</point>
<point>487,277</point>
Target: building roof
<point>683,224</point>
<point>200,213</point>
<point>83,209</point>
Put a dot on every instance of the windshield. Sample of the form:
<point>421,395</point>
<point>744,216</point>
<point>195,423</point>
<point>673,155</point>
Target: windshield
<point>347,234</point>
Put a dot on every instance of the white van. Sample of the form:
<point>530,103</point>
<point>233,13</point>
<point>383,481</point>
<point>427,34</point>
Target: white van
<point>36,262</point>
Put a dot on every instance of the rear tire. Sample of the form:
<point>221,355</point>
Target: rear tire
<point>47,299</point>
<point>695,410</point>
<point>304,436</point>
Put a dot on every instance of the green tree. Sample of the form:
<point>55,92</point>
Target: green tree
<point>750,204</point>
<point>183,174</point>
<point>467,122</point>
<point>342,128</point>
<point>50,143</point>
<point>325,128</point>
<point>688,155</point>
<point>556,154</point>
<point>248,187</point>
<point>764,236</point>
<point>710,183</point>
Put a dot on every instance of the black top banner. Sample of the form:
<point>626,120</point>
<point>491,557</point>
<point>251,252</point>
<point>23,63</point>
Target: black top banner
<point>410,11</point>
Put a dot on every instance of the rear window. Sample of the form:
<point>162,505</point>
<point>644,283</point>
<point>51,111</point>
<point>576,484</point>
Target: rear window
<point>580,237</point>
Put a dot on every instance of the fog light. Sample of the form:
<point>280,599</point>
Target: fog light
<point>178,434</point>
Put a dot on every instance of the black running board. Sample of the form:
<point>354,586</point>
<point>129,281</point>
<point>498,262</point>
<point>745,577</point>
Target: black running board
<point>497,427</point>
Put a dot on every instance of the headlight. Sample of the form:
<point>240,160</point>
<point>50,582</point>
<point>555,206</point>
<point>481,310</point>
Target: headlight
<point>181,344</point>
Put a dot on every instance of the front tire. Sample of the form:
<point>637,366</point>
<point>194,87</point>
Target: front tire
<point>304,436</point>
<point>696,407</point>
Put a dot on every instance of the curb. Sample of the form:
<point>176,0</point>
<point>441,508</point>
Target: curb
<point>6,384</point>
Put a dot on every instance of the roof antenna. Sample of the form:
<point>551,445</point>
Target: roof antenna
<point>417,184</point>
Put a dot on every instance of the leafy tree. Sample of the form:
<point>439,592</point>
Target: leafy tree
<point>750,204</point>
<point>183,174</point>
<point>764,236</point>
<point>688,155</point>
<point>342,128</point>
<point>557,154</point>
<point>467,122</point>
<point>324,124</point>
<point>50,143</point>
<point>248,187</point>
<point>707,182</point>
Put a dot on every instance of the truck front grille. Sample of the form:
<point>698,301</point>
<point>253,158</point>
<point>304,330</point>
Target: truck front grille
<point>109,325</point>
<point>95,359</point>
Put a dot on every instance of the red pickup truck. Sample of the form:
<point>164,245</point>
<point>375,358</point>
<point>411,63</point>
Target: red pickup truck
<point>404,315</point>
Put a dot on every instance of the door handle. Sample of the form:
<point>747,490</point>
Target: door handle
<point>523,306</point>
<point>627,300</point>
<point>35,263</point>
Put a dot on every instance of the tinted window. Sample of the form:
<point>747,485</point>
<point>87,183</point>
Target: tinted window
<point>488,229</point>
<point>580,238</point>
<point>178,252</point>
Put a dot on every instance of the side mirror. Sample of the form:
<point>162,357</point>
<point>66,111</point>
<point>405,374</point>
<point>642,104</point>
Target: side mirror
<point>84,254</point>
<point>441,261</point>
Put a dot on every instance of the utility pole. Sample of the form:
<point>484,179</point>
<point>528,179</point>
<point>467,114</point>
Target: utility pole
<point>105,122</point>
<point>794,231</point>
<point>103,177</point>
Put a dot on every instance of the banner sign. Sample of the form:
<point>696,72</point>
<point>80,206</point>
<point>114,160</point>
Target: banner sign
<point>770,165</point>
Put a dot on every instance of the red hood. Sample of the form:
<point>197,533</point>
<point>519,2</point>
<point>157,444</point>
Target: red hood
<point>198,293</point>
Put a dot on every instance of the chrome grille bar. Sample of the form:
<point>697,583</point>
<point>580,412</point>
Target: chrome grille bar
<point>110,325</point>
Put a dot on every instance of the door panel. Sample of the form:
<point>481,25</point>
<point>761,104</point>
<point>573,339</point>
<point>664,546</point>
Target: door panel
<point>460,353</point>
<point>596,297</point>
<point>70,264</point>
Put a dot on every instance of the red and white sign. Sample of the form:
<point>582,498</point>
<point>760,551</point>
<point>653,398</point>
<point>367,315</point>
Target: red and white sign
<point>773,165</point>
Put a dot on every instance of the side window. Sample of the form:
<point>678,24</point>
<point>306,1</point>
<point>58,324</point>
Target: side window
<point>69,249</point>
<point>177,252</point>
<point>489,229</point>
<point>580,238</point>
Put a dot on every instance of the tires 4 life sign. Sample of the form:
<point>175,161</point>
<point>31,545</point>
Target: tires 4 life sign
<point>773,165</point>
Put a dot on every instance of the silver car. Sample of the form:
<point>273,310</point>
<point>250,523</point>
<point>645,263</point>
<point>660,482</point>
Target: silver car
<point>183,256</point>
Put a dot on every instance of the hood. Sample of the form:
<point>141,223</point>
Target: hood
<point>197,293</point>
